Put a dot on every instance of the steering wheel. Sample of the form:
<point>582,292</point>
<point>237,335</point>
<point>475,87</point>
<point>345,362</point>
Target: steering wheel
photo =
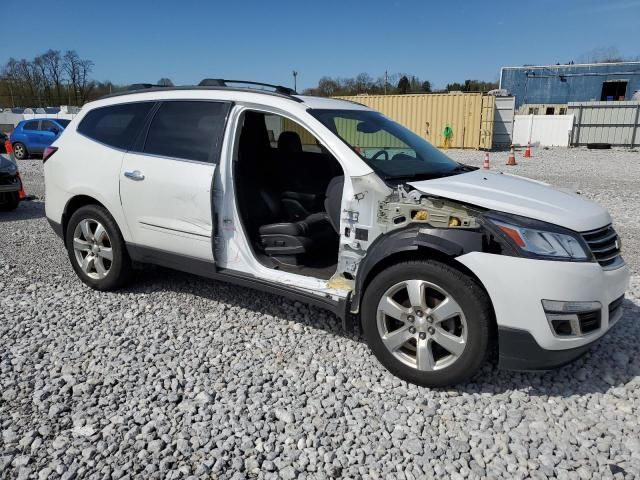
<point>379,153</point>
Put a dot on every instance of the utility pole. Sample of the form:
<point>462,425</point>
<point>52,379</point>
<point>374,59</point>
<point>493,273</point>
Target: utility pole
<point>295,81</point>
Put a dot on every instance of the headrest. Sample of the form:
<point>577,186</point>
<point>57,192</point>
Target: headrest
<point>289,142</point>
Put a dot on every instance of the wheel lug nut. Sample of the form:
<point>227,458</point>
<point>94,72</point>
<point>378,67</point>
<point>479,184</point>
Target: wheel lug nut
<point>430,319</point>
<point>412,330</point>
<point>419,313</point>
<point>431,330</point>
<point>423,335</point>
<point>410,318</point>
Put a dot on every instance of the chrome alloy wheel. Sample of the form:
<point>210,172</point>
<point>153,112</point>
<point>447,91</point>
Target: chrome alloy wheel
<point>92,248</point>
<point>422,325</point>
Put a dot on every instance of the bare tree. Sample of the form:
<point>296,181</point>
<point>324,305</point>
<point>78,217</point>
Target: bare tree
<point>40,73</point>
<point>165,82</point>
<point>71,67</point>
<point>48,79</point>
<point>602,55</point>
<point>85,85</point>
<point>53,64</point>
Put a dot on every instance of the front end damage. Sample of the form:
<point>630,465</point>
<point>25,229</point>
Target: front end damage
<point>380,221</point>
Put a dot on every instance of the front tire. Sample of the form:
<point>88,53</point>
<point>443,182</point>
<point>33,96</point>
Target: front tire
<point>20,151</point>
<point>96,249</point>
<point>427,322</point>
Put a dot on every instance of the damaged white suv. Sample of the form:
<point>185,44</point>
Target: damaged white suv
<point>332,203</point>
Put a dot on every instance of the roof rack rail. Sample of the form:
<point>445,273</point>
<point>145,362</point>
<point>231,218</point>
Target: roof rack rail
<point>142,86</point>
<point>221,82</point>
<point>212,84</point>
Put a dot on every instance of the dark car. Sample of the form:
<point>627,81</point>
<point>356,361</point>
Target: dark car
<point>10,184</point>
<point>33,136</point>
<point>3,138</point>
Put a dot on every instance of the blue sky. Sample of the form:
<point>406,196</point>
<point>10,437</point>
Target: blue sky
<point>443,41</point>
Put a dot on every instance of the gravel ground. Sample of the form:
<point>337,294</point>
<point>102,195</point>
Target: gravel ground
<point>178,376</point>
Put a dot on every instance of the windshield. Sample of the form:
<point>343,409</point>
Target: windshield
<point>63,123</point>
<point>390,149</point>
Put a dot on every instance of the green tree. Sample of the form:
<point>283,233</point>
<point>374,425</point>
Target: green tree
<point>404,85</point>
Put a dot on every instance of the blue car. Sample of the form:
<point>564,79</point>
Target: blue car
<point>33,136</point>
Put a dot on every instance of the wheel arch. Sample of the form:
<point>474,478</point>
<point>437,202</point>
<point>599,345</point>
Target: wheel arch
<point>21,142</point>
<point>75,203</point>
<point>415,243</point>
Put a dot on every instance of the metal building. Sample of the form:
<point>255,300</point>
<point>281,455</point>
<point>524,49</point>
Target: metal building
<point>561,84</point>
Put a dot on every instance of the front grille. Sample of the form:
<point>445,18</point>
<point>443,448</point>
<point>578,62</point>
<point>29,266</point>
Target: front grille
<point>8,180</point>
<point>604,244</point>
<point>615,310</point>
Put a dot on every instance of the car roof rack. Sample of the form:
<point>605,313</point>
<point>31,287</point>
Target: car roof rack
<point>215,84</point>
<point>143,86</point>
<point>221,82</point>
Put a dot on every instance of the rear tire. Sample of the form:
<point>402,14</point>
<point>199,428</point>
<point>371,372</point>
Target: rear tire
<point>427,322</point>
<point>20,151</point>
<point>10,201</point>
<point>96,249</point>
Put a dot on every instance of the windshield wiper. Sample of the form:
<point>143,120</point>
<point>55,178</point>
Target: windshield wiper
<point>415,176</point>
<point>460,168</point>
<point>464,168</point>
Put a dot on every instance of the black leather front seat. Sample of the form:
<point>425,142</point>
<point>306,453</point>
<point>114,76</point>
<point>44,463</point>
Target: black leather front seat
<point>289,241</point>
<point>333,201</point>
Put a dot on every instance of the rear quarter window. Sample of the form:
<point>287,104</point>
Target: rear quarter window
<point>30,126</point>
<point>116,125</point>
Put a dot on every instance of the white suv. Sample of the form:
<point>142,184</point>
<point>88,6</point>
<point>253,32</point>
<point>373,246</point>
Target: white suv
<point>332,203</point>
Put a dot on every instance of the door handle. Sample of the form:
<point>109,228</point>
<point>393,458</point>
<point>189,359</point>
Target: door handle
<point>135,175</point>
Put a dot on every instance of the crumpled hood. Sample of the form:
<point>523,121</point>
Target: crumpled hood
<point>518,196</point>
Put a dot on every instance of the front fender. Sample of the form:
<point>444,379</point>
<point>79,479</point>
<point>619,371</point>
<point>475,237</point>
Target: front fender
<point>446,241</point>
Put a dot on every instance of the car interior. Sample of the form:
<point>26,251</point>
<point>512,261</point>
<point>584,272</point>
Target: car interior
<point>289,194</point>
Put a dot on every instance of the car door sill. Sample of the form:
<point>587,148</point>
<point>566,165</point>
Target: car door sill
<point>208,269</point>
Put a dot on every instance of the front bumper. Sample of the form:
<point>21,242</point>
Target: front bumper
<point>9,186</point>
<point>518,350</point>
<point>517,287</point>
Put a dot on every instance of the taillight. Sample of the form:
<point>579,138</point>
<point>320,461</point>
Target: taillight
<point>48,152</point>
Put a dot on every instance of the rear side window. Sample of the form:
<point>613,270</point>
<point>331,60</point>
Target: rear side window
<point>191,130</point>
<point>30,126</point>
<point>46,125</point>
<point>118,125</point>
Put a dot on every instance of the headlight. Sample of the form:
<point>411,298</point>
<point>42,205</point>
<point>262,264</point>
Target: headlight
<point>543,243</point>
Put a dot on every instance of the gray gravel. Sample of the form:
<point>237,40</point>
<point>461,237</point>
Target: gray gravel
<point>178,376</point>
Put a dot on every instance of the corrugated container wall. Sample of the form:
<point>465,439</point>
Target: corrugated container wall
<point>469,116</point>
<point>616,123</point>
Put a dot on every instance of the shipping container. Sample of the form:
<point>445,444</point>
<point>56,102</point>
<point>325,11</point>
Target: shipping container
<point>503,122</point>
<point>468,117</point>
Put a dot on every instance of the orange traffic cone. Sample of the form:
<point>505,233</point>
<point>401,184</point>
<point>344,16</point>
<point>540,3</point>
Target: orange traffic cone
<point>485,164</point>
<point>527,152</point>
<point>511,160</point>
<point>7,147</point>
<point>22,193</point>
